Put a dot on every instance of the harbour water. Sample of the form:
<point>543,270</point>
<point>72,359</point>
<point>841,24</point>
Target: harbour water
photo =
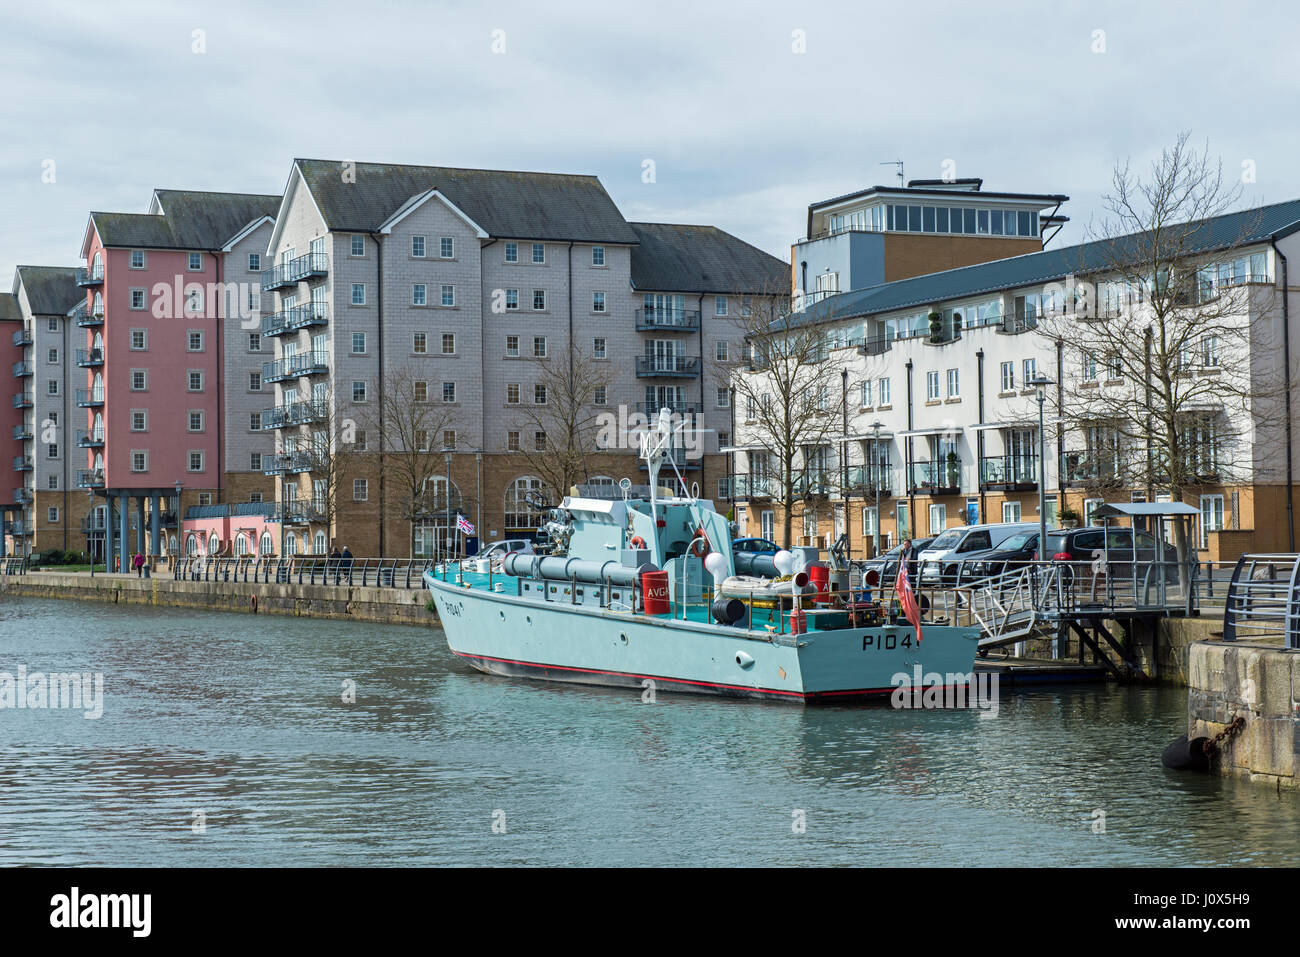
<point>226,739</point>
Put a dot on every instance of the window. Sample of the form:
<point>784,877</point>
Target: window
<point>598,347</point>
<point>938,518</point>
<point>598,397</point>
<point>721,350</point>
<point>931,386</point>
<point>539,440</point>
<point>254,262</point>
<point>449,343</point>
<point>1010,511</point>
<point>358,246</point>
<point>512,393</point>
<point>512,252</point>
<point>539,347</point>
<point>358,343</point>
<point>360,490</point>
<point>255,463</point>
<point>255,382</point>
<point>52,324</point>
<point>447,247</point>
<point>194,341</point>
<point>205,498</point>
<point>512,346</point>
<point>954,384</point>
<point>723,397</point>
<point>139,380</point>
<point>137,299</point>
<point>195,380</point>
<point>419,295</point>
<point>420,343</point>
<point>512,299</point>
<point>719,305</point>
<point>884,392</point>
<point>52,514</point>
<point>254,342</point>
<point>1008,376</point>
<point>139,460</point>
<point>1029,371</point>
<point>512,441</point>
<point>139,420</point>
<point>449,392</point>
<point>195,421</point>
<point>539,299</point>
<point>448,295</point>
<point>448,438</point>
<point>52,450</point>
<point>597,302</point>
<point>865,400</point>
<point>359,440</point>
<point>137,259</point>
<point>1209,351</point>
<point>539,253</point>
<point>52,387</point>
<point>539,395</point>
<point>196,262</point>
<point>598,255</point>
<point>417,247</point>
<point>358,294</point>
<point>358,391</point>
<point>1211,517</point>
<point>52,356</point>
<point>421,390</point>
<point>255,421</point>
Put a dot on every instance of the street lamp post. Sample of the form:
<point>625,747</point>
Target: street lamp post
<point>876,426</point>
<point>1040,384</point>
<point>478,528</point>
<point>90,528</point>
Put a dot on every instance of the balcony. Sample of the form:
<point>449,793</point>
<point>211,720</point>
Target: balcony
<point>91,277</point>
<point>816,483</point>
<point>868,480</point>
<point>90,438</point>
<point>751,486</point>
<point>678,457</point>
<point>90,478</point>
<point>16,527</point>
<point>1014,325</point>
<point>1092,468</point>
<point>299,511</point>
<point>295,270</point>
<point>677,408</point>
<point>298,317</point>
<point>90,398</point>
<point>297,413</point>
<point>93,524</point>
<point>85,318</point>
<point>291,367</point>
<point>231,510</point>
<point>1009,473</point>
<point>90,358</point>
<point>22,400</point>
<point>23,337</point>
<point>285,463</point>
<point>22,433</point>
<point>23,463</point>
<point>667,320</point>
<point>678,367</point>
<point>935,478</point>
<point>874,345</point>
<point>24,496</point>
<point>22,369</point>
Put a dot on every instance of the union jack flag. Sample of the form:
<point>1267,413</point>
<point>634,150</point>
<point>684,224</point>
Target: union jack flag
<point>463,525</point>
<point>906,596</point>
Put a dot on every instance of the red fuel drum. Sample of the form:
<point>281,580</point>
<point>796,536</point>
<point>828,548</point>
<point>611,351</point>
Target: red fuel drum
<point>654,593</point>
<point>820,576</point>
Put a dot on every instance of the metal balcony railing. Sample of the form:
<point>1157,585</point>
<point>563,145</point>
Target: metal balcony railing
<point>667,320</point>
<point>88,358</point>
<point>91,277</point>
<point>22,400</point>
<point>22,368</point>
<point>90,438</point>
<point>290,367</point>
<point>295,270</point>
<point>297,413</point>
<point>22,432</point>
<point>23,463</point>
<point>23,337</point>
<point>868,479</point>
<point>284,462</point>
<point>297,317</point>
<point>935,478</point>
<point>24,496</point>
<point>677,366</point>
<point>299,511</point>
<point>1098,467</point>
<point>1013,325</point>
<point>89,398</point>
<point>90,478</point>
<point>1009,472</point>
<point>679,408</point>
<point>751,486</point>
<point>84,317</point>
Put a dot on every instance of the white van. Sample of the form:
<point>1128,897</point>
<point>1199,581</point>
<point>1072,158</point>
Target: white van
<point>955,542</point>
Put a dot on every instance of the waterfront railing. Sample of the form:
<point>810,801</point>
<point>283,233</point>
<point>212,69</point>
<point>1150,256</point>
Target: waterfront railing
<point>403,573</point>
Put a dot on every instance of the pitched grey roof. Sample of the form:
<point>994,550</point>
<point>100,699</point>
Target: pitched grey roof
<point>1220,232</point>
<point>51,290</point>
<point>520,205</point>
<point>9,309</point>
<point>703,259</point>
<point>190,219</point>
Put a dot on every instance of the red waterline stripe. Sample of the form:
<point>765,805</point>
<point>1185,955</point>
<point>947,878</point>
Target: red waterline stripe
<point>702,684</point>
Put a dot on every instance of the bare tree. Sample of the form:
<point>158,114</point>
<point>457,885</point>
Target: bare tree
<point>1160,336</point>
<point>317,445</point>
<point>790,403</point>
<point>411,426</point>
<point>558,435</point>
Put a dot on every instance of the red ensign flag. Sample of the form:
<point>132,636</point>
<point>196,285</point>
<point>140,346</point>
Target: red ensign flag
<point>907,597</point>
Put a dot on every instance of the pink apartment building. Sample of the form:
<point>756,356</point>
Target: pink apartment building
<point>168,295</point>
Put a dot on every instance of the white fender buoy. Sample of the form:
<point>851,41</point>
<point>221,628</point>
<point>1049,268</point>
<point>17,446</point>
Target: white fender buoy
<point>744,659</point>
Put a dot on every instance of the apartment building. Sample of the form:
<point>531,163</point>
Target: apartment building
<point>943,419</point>
<point>885,233</point>
<point>465,283</point>
<point>15,494</point>
<point>56,514</point>
<point>171,297</point>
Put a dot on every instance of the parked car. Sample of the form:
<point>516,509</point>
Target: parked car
<point>886,565</point>
<point>505,547</point>
<point>938,563</point>
<point>755,546</point>
<point>1114,545</point>
<point>1016,552</point>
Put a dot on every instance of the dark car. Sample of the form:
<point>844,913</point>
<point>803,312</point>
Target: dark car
<point>1016,552</point>
<point>1085,548</point>
<point>755,546</point>
<point>886,565</point>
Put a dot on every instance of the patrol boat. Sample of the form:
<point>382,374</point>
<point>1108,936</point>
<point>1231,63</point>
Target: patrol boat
<point>645,592</point>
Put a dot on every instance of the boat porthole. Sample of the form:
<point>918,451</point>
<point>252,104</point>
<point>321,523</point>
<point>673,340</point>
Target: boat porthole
<point>502,614</point>
<point>623,638</point>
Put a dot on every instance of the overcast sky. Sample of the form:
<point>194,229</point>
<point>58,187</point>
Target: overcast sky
<point>744,131</point>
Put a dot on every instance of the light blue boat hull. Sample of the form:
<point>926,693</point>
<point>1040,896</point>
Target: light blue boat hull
<point>523,637</point>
